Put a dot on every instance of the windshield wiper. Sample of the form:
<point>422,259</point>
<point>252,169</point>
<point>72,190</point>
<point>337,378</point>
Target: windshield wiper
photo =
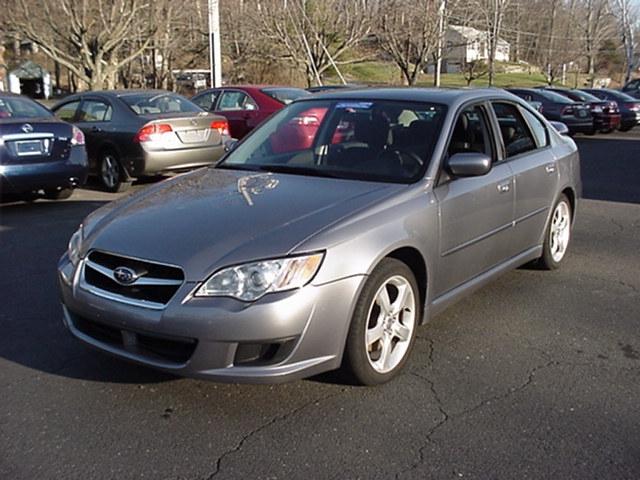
<point>296,170</point>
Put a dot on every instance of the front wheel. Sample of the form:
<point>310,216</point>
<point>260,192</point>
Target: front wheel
<point>384,323</point>
<point>557,235</point>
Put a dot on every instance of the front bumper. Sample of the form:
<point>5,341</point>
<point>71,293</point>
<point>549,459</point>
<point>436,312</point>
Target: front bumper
<point>309,325</point>
<point>21,178</point>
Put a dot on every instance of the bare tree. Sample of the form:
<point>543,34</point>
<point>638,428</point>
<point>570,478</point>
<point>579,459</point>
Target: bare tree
<point>626,14</point>
<point>316,35</point>
<point>86,36</point>
<point>596,28</point>
<point>407,33</point>
<point>492,13</point>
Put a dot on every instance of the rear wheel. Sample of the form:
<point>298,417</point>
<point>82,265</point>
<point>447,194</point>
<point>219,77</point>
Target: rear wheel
<point>58,194</point>
<point>626,129</point>
<point>384,323</point>
<point>112,175</point>
<point>557,236</point>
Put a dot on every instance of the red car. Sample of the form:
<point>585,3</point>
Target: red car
<point>246,106</point>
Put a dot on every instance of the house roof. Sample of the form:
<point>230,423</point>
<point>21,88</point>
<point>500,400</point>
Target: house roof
<point>474,34</point>
<point>29,70</point>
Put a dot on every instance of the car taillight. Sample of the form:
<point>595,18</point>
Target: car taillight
<point>595,108</point>
<point>613,106</point>
<point>633,106</point>
<point>222,126</point>
<point>151,131</point>
<point>567,111</point>
<point>78,137</point>
<point>305,120</point>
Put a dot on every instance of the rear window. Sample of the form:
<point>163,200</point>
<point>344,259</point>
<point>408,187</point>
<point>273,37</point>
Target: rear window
<point>146,103</point>
<point>555,97</point>
<point>584,96</point>
<point>285,95</point>
<point>16,107</point>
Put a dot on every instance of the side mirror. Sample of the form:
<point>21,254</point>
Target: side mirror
<point>470,164</point>
<point>230,144</point>
<point>560,127</point>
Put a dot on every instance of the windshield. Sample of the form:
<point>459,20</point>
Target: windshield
<point>145,103</point>
<point>16,107</point>
<point>285,95</point>
<point>554,97</point>
<point>364,140</point>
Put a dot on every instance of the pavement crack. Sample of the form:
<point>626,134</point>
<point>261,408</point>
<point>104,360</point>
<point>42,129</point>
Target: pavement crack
<point>446,417</point>
<point>245,438</point>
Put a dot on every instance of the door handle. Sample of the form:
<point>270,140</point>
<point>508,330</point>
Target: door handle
<point>96,129</point>
<point>550,168</point>
<point>504,187</point>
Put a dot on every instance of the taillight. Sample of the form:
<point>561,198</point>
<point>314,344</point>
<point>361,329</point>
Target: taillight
<point>151,131</point>
<point>305,120</point>
<point>566,111</point>
<point>633,106</point>
<point>78,136</point>
<point>222,126</point>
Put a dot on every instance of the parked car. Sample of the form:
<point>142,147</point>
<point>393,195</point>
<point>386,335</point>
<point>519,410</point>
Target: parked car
<point>629,107</point>
<point>606,115</point>
<point>276,265</point>
<point>136,133</point>
<point>246,106</point>
<point>39,154</point>
<point>632,88</point>
<point>575,115</point>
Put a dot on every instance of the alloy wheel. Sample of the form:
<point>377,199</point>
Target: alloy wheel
<point>390,323</point>
<point>560,231</point>
<point>109,171</point>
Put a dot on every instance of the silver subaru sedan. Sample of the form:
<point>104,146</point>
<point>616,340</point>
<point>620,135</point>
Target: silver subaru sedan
<point>325,238</point>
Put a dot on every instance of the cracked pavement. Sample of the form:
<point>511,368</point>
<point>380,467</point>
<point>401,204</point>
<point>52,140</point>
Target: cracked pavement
<point>535,376</point>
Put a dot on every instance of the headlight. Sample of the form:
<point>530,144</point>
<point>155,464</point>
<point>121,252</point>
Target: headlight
<point>75,244</point>
<point>251,281</point>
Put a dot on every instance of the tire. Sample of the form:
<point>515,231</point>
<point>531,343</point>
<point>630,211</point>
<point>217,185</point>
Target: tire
<point>365,360</point>
<point>625,129</point>
<point>111,174</point>
<point>557,235</point>
<point>606,130</point>
<point>58,194</point>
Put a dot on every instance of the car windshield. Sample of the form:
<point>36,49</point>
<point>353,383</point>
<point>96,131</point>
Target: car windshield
<point>146,103</point>
<point>555,97</point>
<point>383,141</point>
<point>16,107</point>
<point>285,95</point>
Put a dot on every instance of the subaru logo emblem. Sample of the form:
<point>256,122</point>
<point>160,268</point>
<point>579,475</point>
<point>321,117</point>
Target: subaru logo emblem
<point>27,128</point>
<point>125,276</point>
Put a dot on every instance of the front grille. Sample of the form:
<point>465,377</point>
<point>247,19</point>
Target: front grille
<point>151,346</point>
<point>154,283</point>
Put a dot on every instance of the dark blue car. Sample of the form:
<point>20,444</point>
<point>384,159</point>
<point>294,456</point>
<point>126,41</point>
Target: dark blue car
<point>39,154</point>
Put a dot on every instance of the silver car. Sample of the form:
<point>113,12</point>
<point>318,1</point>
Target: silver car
<point>325,238</point>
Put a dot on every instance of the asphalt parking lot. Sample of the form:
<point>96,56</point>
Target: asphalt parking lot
<point>536,376</point>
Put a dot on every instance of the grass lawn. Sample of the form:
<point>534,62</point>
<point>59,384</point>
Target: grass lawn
<point>379,73</point>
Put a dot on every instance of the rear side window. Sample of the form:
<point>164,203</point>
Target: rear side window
<point>67,112</point>
<point>516,135</point>
<point>537,128</point>
<point>152,103</point>
<point>94,111</point>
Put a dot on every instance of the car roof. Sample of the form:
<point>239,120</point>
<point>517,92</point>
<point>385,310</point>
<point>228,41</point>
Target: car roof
<point>446,96</point>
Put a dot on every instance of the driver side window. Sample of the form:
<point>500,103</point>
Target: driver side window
<point>470,133</point>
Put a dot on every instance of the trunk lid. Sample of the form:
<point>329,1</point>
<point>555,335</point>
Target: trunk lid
<point>34,140</point>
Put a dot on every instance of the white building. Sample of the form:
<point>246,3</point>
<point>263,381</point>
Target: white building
<point>468,44</point>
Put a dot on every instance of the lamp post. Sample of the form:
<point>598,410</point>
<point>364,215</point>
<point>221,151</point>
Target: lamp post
<point>215,57</point>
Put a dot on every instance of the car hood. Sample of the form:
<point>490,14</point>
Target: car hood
<point>212,218</point>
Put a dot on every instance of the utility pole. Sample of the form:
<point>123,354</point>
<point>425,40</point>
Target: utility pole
<point>438,67</point>
<point>215,57</point>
